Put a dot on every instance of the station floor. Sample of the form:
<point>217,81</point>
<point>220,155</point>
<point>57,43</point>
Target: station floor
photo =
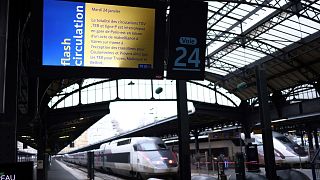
<point>60,171</point>
<point>57,171</point>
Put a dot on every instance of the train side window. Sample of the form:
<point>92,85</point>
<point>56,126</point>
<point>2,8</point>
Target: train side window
<point>124,142</point>
<point>135,147</point>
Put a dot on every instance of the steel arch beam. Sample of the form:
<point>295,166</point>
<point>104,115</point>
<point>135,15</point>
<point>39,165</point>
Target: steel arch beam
<point>293,8</point>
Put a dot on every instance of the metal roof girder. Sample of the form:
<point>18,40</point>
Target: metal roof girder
<point>228,8</point>
<point>244,18</point>
<point>295,8</point>
<point>247,39</point>
<point>265,3</point>
<point>316,12</point>
<point>224,66</point>
<point>264,25</point>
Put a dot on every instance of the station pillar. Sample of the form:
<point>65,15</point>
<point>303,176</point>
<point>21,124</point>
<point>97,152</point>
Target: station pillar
<point>183,129</point>
<point>90,165</point>
<point>310,139</point>
<point>265,119</point>
<point>42,156</point>
<point>316,140</point>
<point>310,143</point>
<point>196,140</point>
<point>9,79</point>
<point>302,138</point>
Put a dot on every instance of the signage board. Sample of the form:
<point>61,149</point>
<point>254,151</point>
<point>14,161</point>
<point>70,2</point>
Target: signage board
<point>224,135</point>
<point>16,171</point>
<point>116,40</point>
<point>187,40</point>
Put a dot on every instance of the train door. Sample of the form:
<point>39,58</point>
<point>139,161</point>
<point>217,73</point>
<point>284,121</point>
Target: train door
<point>135,159</point>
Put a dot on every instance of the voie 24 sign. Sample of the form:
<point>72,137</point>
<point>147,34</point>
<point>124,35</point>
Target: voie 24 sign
<point>187,40</point>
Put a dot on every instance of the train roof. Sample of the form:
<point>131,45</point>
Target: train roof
<point>131,140</point>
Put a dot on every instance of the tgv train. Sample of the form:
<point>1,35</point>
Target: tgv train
<point>286,151</point>
<point>138,157</point>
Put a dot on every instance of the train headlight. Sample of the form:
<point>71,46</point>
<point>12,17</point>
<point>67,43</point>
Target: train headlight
<point>171,161</point>
<point>158,162</point>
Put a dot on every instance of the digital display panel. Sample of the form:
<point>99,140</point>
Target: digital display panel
<point>108,36</point>
<point>187,39</point>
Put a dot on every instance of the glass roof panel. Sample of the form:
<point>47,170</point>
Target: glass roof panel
<point>275,41</point>
<point>278,3</point>
<point>217,70</point>
<point>248,23</point>
<point>264,29</point>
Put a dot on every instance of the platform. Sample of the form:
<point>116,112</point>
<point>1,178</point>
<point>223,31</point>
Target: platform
<point>57,171</point>
<point>60,171</point>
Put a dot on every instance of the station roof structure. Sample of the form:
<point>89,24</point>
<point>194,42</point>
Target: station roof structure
<point>281,35</point>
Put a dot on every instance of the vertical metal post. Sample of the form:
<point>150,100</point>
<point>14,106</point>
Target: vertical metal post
<point>316,140</point>
<point>183,131</point>
<point>310,139</point>
<point>117,88</point>
<point>42,171</point>
<point>152,97</point>
<point>90,163</point>
<point>310,142</point>
<point>42,157</point>
<point>302,139</point>
<point>265,123</point>
<point>9,60</point>
<point>196,140</point>
<point>4,14</point>
<point>209,146</point>
<point>313,171</point>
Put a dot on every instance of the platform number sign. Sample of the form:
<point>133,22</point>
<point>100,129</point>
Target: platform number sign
<point>192,58</point>
<point>187,37</point>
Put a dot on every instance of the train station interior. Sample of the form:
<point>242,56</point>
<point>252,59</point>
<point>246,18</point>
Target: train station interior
<point>252,112</point>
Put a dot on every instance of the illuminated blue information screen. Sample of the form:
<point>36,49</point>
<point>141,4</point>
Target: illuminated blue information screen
<point>63,33</point>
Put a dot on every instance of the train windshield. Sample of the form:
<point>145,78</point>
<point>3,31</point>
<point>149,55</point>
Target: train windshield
<point>284,139</point>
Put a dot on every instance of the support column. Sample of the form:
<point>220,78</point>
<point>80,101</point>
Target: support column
<point>42,172</point>
<point>90,165</point>
<point>196,140</point>
<point>316,140</point>
<point>302,139</point>
<point>4,9</point>
<point>42,156</point>
<point>265,123</point>
<point>310,142</point>
<point>183,130</point>
<point>9,58</point>
<point>310,139</point>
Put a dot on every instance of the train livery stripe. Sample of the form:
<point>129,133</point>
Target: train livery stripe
<point>118,157</point>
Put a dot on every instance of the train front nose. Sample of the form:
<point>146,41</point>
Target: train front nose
<point>161,164</point>
<point>164,162</point>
